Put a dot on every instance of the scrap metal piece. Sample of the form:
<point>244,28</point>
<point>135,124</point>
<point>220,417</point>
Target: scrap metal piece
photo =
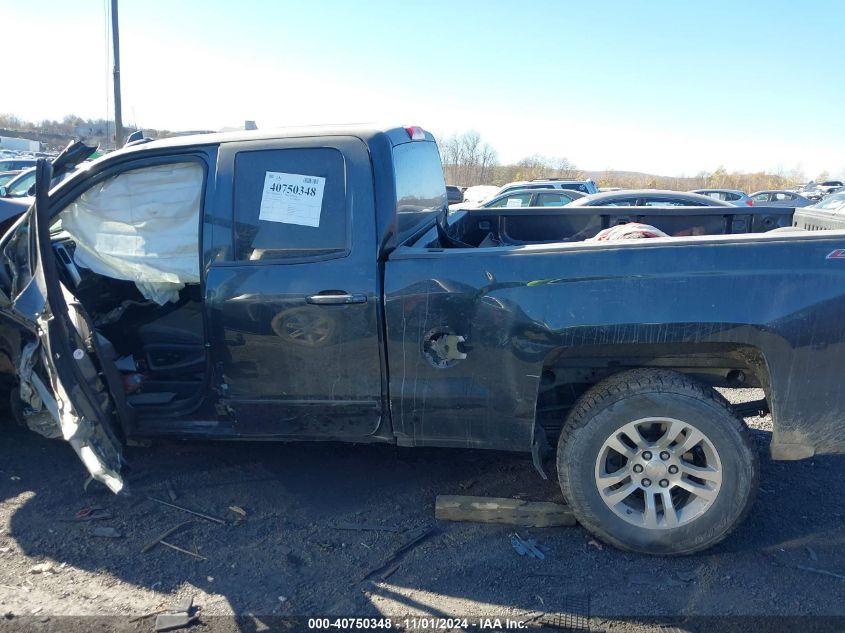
<point>526,547</point>
<point>417,537</point>
<point>106,532</point>
<point>183,550</point>
<point>158,539</point>
<point>201,515</point>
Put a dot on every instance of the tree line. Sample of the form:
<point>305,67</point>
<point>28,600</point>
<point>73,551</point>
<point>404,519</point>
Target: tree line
<point>468,160</point>
<point>55,134</point>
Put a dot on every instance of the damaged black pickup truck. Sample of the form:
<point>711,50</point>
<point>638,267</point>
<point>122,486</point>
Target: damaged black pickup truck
<point>310,284</point>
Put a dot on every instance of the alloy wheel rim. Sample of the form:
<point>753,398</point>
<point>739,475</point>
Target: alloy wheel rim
<point>658,473</point>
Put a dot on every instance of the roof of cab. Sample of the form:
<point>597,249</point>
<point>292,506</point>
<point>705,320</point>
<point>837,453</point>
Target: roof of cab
<point>395,134</point>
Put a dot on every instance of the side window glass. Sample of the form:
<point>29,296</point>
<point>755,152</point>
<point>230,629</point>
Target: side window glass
<point>518,200</point>
<point>21,187</point>
<point>622,202</point>
<point>665,202</point>
<point>552,200</point>
<point>289,204</point>
<point>575,186</point>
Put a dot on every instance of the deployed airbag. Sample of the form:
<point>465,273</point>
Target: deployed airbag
<point>141,226</point>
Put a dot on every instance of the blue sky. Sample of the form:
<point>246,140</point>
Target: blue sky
<point>665,87</point>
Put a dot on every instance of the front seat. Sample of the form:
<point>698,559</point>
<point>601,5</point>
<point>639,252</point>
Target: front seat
<point>174,343</point>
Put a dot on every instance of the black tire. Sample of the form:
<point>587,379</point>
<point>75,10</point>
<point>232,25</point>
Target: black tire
<point>644,393</point>
<point>11,407</point>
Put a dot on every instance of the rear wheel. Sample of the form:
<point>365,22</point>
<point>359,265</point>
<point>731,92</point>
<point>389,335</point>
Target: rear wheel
<point>654,462</point>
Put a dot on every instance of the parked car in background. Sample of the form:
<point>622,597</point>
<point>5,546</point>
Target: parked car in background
<point>780,198</point>
<point>16,164</point>
<point>17,195</point>
<point>533,198</point>
<point>834,202</point>
<point>648,198</point>
<point>20,185</point>
<point>584,186</point>
<point>6,176</point>
<point>818,190</point>
<point>732,196</point>
<point>454,194</point>
<point>475,195</point>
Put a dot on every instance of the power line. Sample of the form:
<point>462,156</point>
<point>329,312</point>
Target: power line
<point>107,59</point>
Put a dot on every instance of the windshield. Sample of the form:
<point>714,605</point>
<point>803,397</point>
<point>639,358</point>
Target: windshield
<point>835,202</point>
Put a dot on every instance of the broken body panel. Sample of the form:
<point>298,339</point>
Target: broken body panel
<point>74,393</point>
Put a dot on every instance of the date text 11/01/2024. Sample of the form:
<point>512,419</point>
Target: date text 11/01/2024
<point>416,624</point>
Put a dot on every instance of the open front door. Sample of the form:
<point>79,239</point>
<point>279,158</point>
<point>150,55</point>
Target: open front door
<point>68,370</point>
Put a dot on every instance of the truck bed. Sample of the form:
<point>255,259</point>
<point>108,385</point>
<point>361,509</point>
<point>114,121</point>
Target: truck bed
<point>537,225</point>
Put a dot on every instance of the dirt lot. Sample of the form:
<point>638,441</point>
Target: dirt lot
<point>288,555</point>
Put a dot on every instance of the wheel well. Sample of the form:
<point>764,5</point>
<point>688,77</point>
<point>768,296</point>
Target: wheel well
<point>568,373</point>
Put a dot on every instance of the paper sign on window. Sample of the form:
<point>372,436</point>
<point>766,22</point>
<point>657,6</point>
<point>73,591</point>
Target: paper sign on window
<point>292,198</point>
<point>514,202</point>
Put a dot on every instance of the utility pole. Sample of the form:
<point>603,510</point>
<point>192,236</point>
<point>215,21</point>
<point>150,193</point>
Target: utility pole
<point>118,116</point>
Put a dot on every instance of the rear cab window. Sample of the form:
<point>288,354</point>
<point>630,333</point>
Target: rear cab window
<point>420,186</point>
<point>290,204</point>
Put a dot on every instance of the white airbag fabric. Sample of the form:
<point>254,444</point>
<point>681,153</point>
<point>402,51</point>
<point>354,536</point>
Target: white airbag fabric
<point>142,226</point>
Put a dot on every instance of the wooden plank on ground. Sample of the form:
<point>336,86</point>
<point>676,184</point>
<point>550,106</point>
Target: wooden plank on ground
<point>502,510</point>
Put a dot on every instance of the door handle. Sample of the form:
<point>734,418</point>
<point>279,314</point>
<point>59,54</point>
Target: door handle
<point>340,298</point>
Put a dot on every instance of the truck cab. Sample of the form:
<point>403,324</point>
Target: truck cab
<point>222,286</point>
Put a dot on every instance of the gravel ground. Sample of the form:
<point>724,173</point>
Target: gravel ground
<point>287,556</point>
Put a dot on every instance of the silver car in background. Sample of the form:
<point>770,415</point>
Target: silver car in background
<point>780,198</point>
<point>533,198</point>
<point>835,202</point>
<point>731,196</point>
<point>647,198</point>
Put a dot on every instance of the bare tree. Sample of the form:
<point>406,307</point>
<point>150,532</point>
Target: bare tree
<point>467,160</point>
